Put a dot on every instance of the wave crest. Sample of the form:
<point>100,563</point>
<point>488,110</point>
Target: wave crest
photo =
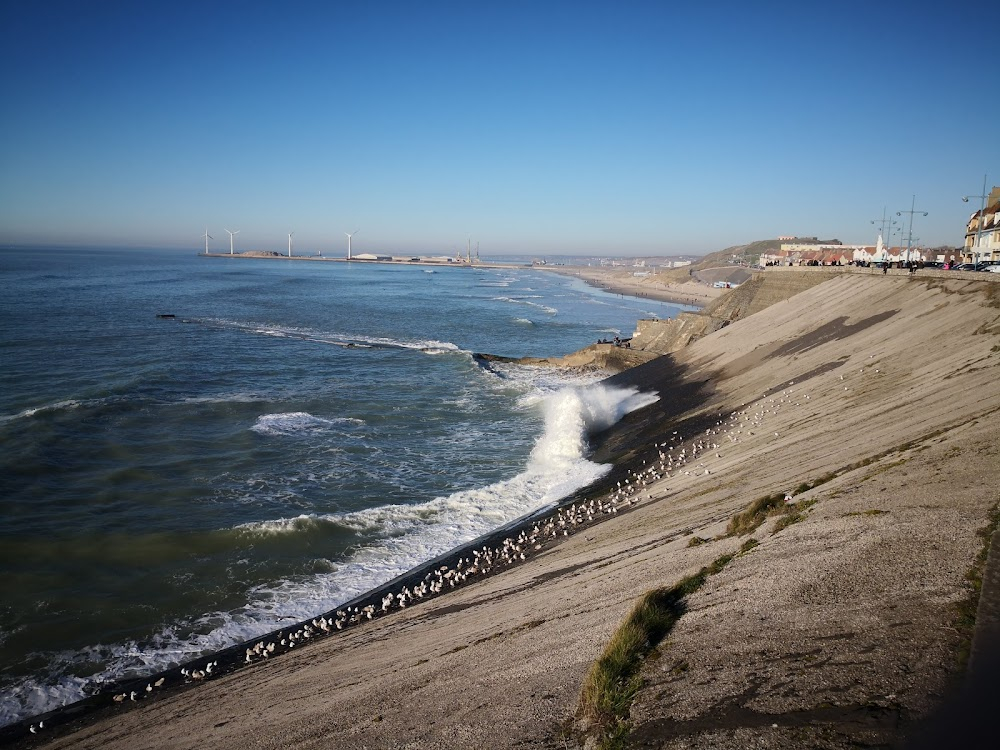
<point>297,423</point>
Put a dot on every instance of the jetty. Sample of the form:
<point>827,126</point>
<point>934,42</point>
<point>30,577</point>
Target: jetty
<point>393,260</point>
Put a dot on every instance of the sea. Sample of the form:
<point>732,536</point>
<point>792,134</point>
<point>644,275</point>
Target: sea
<point>295,435</point>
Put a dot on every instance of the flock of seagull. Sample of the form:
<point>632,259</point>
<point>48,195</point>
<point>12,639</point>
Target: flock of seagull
<point>478,562</point>
<point>672,459</point>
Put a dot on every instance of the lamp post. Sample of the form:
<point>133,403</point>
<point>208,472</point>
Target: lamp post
<point>883,223</point>
<point>909,233</point>
<point>974,254</point>
<point>898,233</point>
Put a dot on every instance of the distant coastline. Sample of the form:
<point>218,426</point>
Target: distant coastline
<point>623,281</point>
<point>380,260</point>
<point>616,281</point>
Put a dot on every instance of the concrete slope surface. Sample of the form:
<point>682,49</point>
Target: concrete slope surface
<point>872,401</point>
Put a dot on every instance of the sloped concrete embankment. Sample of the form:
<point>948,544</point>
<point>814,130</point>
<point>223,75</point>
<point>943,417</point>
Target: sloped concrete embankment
<point>873,400</point>
<point>762,290</point>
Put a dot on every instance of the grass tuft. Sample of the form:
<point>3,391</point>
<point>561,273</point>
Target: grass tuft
<point>787,520</point>
<point>748,520</point>
<point>870,512</point>
<point>748,545</point>
<point>965,616</point>
<point>614,680</point>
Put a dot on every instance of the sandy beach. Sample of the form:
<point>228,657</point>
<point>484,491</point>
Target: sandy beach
<point>870,402</point>
<point>659,287</point>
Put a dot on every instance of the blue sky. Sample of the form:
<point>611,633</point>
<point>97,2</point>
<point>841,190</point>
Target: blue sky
<point>629,128</point>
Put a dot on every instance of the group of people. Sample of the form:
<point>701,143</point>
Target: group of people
<point>910,265</point>
<point>617,342</point>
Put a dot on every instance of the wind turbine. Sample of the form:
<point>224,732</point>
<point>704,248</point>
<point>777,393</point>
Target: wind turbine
<point>349,242</point>
<point>207,237</point>
<point>231,235</point>
<point>290,244</point>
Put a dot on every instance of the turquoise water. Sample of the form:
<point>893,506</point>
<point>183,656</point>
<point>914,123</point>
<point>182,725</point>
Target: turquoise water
<point>297,434</point>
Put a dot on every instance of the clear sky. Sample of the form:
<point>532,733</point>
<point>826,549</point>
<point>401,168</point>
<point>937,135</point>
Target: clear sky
<point>618,128</point>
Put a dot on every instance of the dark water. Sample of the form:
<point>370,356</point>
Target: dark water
<point>298,434</point>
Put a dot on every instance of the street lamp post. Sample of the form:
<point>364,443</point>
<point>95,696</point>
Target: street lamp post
<point>899,232</point>
<point>974,253</point>
<point>909,233</point>
<point>883,223</point>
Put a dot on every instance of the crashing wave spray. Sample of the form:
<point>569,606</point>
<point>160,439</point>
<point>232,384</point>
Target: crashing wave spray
<point>404,536</point>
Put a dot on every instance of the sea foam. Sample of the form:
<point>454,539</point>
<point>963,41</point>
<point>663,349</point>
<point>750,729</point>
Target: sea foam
<point>404,537</point>
<point>296,423</point>
<point>346,340</point>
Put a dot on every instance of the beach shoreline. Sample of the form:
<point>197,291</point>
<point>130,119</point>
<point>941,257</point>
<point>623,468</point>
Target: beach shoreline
<point>232,659</point>
<point>624,282</point>
<point>621,281</point>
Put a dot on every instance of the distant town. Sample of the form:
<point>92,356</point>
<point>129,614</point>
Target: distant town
<point>980,250</point>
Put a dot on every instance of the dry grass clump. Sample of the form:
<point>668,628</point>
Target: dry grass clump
<point>613,681</point>
<point>755,514</point>
<point>965,620</point>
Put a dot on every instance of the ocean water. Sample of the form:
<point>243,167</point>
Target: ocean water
<point>298,434</point>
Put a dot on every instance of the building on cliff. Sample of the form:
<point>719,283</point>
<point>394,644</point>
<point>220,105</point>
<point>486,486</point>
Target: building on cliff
<point>982,232</point>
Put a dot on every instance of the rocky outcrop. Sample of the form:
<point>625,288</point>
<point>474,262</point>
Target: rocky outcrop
<point>596,356</point>
<point>666,336</point>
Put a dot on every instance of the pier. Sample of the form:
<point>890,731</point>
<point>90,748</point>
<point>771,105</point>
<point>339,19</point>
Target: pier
<point>379,260</point>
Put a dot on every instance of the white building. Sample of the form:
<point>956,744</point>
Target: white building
<point>982,232</point>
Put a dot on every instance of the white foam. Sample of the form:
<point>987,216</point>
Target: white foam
<point>338,339</point>
<point>513,301</point>
<point>297,422</point>
<point>225,398</point>
<point>538,381</point>
<point>31,697</point>
<point>55,406</point>
<point>406,535</point>
<point>304,522</point>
